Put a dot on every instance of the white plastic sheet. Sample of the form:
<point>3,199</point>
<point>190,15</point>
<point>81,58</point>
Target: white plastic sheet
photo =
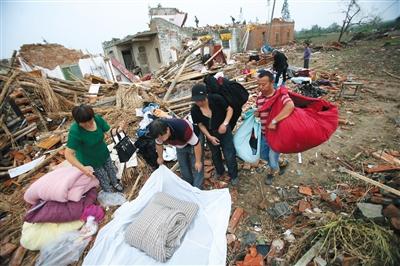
<point>203,244</point>
<point>107,199</point>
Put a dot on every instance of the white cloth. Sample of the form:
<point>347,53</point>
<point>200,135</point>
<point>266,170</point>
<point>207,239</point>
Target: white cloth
<point>203,244</point>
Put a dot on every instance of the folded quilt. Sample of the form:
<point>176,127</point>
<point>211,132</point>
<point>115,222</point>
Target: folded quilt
<point>35,236</point>
<point>62,185</point>
<point>60,212</point>
<point>160,226</point>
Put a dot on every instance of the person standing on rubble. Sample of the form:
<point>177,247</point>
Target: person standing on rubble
<point>307,54</point>
<point>180,133</point>
<point>212,114</point>
<point>87,150</point>
<point>280,65</point>
<point>266,91</point>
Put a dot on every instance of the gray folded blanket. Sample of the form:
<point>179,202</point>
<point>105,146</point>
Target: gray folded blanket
<point>159,228</point>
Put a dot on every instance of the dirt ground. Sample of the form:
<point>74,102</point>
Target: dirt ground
<point>373,115</point>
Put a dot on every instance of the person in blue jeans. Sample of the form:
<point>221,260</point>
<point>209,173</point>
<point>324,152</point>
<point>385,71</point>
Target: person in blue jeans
<point>266,92</point>
<point>180,134</point>
<point>212,114</point>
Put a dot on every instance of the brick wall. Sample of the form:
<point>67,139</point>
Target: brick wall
<point>282,33</point>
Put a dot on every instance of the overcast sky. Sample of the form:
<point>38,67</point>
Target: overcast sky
<point>85,24</point>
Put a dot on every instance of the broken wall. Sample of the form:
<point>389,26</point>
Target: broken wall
<point>282,33</point>
<point>170,36</point>
<point>150,62</point>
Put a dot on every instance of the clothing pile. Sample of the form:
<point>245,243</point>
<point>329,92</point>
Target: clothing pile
<point>61,200</point>
<point>311,90</point>
<point>160,227</point>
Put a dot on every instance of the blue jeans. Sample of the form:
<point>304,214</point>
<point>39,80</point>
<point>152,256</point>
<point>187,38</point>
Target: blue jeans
<point>266,153</point>
<point>186,160</point>
<point>227,147</point>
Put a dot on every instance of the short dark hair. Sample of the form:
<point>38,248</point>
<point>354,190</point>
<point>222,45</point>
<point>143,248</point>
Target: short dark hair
<point>82,113</point>
<point>157,128</point>
<point>264,73</point>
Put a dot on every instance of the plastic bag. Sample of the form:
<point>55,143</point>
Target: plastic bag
<point>247,139</point>
<point>69,247</point>
<point>107,199</point>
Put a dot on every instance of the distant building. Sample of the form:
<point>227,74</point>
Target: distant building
<point>172,15</point>
<point>151,49</point>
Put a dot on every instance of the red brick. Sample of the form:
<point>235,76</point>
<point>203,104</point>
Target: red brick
<point>253,258</point>
<point>350,261</point>
<point>305,190</point>
<point>391,211</point>
<point>235,219</point>
<point>395,222</point>
<point>303,205</point>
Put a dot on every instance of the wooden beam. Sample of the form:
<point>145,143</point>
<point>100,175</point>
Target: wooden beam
<point>214,55</point>
<point>371,181</point>
<point>172,86</point>
<point>180,99</point>
<point>392,75</point>
<point>6,87</point>
<point>386,157</point>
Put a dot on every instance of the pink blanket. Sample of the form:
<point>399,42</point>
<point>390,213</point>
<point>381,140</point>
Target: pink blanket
<point>62,185</point>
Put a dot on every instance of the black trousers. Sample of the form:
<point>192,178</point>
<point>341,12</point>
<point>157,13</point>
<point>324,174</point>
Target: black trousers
<point>281,72</point>
<point>306,63</point>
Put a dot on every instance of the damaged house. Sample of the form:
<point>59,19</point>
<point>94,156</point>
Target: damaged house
<point>57,61</point>
<point>147,51</point>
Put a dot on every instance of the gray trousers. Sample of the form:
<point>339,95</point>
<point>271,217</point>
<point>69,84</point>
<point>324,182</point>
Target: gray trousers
<point>186,160</point>
<point>107,175</point>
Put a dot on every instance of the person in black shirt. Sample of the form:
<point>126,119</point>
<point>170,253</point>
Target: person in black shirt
<point>212,114</point>
<point>280,66</point>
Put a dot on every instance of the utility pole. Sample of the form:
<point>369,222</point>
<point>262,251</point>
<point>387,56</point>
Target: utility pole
<point>270,25</point>
<point>268,5</point>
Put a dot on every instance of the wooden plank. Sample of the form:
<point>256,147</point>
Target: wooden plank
<point>191,75</point>
<point>42,164</point>
<point>49,142</point>
<point>371,181</point>
<point>310,254</point>
<point>382,168</point>
<point>386,157</point>
<point>180,99</point>
<point>214,55</point>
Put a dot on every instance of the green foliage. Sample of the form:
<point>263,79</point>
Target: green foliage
<point>372,25</point>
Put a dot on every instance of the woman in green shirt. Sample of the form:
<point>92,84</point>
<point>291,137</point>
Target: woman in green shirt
<point>87,150</point>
